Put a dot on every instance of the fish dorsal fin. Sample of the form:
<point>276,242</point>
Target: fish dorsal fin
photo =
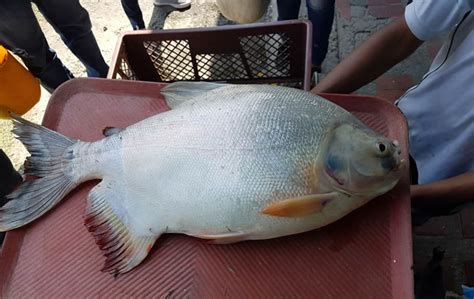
<point>178,93</point>
<point>122,248</point>
<point>300,206</point>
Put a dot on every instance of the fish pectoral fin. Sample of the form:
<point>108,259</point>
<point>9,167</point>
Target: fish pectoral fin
<point>178,93</point>
<point>122,248</point>
<point>109,131</point>
<point>299,206</point>
<point>225,238</point>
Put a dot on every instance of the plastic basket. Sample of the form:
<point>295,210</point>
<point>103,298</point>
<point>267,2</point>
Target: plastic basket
<point>271,53</point>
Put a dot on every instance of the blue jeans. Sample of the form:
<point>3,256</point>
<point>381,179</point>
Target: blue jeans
<point>21,34</point>
<point>321,15</point>
<point>134,13</point>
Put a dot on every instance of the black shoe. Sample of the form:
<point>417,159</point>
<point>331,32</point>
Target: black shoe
<point>9,177</point>
<point>316,69</point>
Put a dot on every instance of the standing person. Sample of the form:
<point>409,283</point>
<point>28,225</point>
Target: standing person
<point>20,33</point>
<point>439,109</point>
<point>321,15</point>
<point>134,13</point>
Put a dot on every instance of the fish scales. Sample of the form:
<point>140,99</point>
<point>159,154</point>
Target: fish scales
<point>240,147</point>
<point>227,163</point>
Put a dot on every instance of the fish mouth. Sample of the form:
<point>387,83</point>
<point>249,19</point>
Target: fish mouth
<point>393,162</point>
<point>399,165</point>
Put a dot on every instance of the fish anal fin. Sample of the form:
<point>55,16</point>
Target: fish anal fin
<point>225,238</point>
<point>299,206</point>
<point>123,249</point>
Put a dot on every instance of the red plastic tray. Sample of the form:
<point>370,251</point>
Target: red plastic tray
<point>367,254</point>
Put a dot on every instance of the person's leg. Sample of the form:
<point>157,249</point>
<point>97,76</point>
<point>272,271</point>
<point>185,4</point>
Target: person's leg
<point>288,9</point>
<point>72,22</point>
<point>134,13</point>
<point>9,179</point>
<point>178,4</point>
<point>21,34</point>
<point>321,15</point>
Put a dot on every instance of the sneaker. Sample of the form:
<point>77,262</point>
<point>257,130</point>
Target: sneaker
<point>179,4</point>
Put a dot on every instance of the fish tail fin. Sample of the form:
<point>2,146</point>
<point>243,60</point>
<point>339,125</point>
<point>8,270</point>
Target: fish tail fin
<point>48,159</point>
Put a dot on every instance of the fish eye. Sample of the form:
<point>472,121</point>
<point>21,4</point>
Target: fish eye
<point>382,147</point>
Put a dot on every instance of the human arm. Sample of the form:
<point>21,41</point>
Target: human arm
<point>446,193</point>
<point>378,54</point>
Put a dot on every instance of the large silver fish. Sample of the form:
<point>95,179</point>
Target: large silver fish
<point>227,163</point>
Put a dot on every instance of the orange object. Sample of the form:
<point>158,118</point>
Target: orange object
<point>19,90</point>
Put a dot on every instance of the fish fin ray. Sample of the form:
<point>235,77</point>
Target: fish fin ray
<point>33,198</point>
<point>179,93</point>
<point>299,206</point>
<point>122,248</point>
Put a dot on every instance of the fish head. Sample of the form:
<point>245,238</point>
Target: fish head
<point>359,162</point>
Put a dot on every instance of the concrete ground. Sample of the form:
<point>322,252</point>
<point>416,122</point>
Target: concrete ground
<point>355,21</point>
